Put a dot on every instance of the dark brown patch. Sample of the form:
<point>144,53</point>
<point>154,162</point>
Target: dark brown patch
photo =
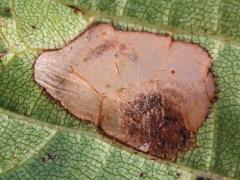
<point>152,118</point>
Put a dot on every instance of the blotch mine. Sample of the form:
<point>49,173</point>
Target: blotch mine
<point>144,90</point>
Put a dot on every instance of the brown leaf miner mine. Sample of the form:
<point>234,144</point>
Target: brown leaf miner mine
<point>142,89</point>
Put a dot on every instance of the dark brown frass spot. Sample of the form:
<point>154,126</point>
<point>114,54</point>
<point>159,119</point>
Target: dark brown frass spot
<point>144,90</point>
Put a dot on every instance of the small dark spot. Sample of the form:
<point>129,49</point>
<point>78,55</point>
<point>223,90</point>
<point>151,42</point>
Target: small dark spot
<point>49,157</point>
<point>88,37</point>
<point>7,10</point>
<point>203,178</point>
<point>141,174</point>
<point>178,174</point>
<point>33,27</point>
<point>108,85</point>
<point>86,59</point>
<point>132,57</point>
<point>172,71</point>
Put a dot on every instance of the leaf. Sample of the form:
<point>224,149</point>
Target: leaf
<point>125,92</point>
<point>39,139</point>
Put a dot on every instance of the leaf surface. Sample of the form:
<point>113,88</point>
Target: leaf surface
<point>40,140</point>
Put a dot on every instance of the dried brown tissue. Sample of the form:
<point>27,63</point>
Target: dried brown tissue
<point>141,89</point>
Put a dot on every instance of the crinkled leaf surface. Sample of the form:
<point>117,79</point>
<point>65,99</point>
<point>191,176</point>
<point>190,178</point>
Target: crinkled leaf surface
<point>40,140</point>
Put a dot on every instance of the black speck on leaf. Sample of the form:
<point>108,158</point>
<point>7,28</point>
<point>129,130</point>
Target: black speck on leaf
<point>141,174</point>
<point>49,157</point>
<point>33,27</point>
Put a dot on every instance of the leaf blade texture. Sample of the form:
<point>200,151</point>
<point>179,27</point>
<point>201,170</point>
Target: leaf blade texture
<point>212,24</point>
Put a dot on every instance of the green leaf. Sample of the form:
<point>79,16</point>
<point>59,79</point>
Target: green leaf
<point>39,139</point>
